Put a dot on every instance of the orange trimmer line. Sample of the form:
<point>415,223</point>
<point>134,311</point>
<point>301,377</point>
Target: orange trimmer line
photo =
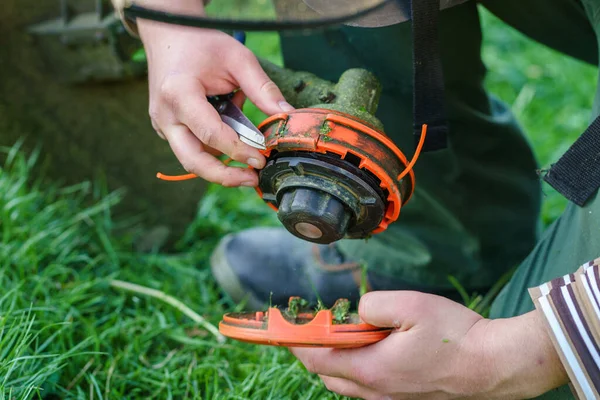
<point>417,153</point>
<point>175,178</point>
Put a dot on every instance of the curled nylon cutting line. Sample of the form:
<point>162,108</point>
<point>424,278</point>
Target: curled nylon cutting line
<point>185,177</point>
<point>409,167</point>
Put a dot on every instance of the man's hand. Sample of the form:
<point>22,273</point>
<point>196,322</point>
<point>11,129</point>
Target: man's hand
<point>186,65</point>
<point>440,350</point>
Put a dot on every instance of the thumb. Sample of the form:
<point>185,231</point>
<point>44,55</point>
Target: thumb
<point>259,88</point>
<point>394,309</point>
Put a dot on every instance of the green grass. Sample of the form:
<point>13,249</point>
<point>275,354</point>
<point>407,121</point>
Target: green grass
<point>65,332</point>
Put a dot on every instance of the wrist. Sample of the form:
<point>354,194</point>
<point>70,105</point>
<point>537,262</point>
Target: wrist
<point>151,32</point>
<point>189,7</point>
<point>521,358</point>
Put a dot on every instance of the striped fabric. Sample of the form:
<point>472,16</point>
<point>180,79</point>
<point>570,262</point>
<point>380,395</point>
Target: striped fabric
<point>571,309</point>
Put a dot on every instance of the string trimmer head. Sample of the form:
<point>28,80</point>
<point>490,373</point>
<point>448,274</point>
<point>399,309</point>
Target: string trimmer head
<point>331,176</point>
<point>331,172</point>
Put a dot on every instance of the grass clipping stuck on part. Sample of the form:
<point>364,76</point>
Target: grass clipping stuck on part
<point>340,311</point>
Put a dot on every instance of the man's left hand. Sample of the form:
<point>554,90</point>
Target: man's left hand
<point>440,349</point>
<point>434,351</point>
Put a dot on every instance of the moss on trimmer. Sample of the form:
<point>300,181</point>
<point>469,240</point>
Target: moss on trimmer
<point>357,93</point>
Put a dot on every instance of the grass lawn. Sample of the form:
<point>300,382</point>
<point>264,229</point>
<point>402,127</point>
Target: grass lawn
<point>67,330</point>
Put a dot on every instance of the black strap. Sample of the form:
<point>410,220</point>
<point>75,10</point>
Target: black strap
<point>577,174</point>
<point>428,77</point>
<point>134,11</point>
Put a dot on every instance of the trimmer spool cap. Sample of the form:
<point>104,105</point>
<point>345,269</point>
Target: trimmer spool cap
<point>309,330</point>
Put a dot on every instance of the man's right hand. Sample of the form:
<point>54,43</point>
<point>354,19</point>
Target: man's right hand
<point>187,64</point>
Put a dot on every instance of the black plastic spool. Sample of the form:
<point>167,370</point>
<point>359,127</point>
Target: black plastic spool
<point>322,198</point>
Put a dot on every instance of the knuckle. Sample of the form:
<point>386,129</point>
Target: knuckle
<point>311,366</point>
<point>386,397</point>
<point>189,166</point>
<point>241,57</point>
<point>238,150</point>
<point>229,180</point>
<point>208,136</point>
<point>419,303</point>
<point>202,132</point>
<point>157,129</point>
<point>245,54</point>
<point>364,305</point>
<point>169,90</point>
<point>336,386</point>
<point>331,385</point>
<point>363,376</point>
<point>228,184</point>
<point>153,112</point>
<point>269,87</point>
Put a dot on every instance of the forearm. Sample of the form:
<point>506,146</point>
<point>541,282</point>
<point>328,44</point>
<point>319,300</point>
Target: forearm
<point>556,344</point>
<point>174,6</point>
<point>151,30</point>
<point>522,357</point>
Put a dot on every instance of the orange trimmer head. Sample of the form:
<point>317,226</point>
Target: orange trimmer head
<point>330,175</point>
<point>304,329</point>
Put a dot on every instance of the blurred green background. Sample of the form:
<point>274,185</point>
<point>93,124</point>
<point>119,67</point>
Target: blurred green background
<point>65,332</point>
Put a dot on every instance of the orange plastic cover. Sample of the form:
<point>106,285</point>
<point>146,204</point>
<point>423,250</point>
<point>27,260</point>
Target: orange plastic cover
<point>272,328</point>
<point>321,131</point>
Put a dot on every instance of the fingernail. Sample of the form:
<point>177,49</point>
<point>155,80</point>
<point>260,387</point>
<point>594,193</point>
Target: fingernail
<point>285,106</point>
<point>253,162</point>
<point>248,183</point>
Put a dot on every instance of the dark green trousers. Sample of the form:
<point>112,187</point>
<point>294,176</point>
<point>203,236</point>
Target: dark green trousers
<point>475,211</point>
<point>571,241</point>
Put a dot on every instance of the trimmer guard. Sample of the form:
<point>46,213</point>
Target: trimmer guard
<point>308,330</point>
